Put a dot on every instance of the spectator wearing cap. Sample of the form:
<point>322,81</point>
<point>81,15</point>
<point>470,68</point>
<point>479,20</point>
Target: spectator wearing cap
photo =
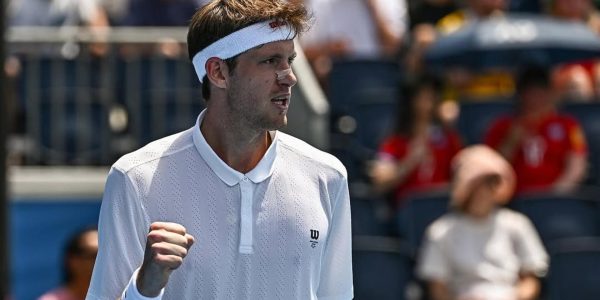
<point>547,148</point>
<point>480,250</point>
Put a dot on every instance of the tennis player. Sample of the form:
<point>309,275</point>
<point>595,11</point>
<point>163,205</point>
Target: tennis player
<point>268,215</point>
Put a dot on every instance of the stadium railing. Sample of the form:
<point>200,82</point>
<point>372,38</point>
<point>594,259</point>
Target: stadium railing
<point>77,105</point>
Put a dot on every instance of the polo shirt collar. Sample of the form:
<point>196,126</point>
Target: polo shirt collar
<point>231,177</point>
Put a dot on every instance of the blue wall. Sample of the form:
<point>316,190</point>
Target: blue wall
<point>39,231</point>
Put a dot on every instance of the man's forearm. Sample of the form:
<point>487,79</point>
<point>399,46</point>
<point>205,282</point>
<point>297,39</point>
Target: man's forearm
<point>387,38</point>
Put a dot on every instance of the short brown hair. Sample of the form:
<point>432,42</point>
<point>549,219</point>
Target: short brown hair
<point>220,18</point>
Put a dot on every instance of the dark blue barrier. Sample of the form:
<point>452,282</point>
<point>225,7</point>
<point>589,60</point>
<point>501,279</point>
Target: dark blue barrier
<point>39,231</point>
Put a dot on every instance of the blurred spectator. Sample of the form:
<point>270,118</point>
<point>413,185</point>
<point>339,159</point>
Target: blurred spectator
<point>58,13</point>
<point>574,79</point>
<point>430,11</point>
<point>353,29</point>
<point>80,255</point>
<point>160,12</point>
<point>417,156</point>
<point>124,12</point>
<point>487,84</point>
<point>480,250</point>
<point>474,10</point>
<point>547,149</point>
<point>573,83</point>
<point>526,6</point>
<point>596,80</point>
<point>421,37</point>
<point>576,10</point>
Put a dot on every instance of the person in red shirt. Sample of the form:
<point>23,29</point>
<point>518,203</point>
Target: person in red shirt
<point>547,148</point>
<point>418,155</point>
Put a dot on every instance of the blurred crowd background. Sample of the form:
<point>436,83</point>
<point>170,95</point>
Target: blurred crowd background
<point>393,88</point>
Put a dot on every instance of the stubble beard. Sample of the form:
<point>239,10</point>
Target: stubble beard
<point>244,114</point>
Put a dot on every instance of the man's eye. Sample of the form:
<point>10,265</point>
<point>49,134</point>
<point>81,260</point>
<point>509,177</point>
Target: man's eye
<point>269,61</point>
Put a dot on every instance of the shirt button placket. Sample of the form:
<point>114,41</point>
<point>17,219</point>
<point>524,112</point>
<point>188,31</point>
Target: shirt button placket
<point>246,218</point>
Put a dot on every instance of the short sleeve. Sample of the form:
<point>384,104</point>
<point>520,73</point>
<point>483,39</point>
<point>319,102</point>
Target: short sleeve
<point>577,141</point>
<point>433,264</point>
<point>529,248</point>
<point>336,267</point>
<point>122,230</point>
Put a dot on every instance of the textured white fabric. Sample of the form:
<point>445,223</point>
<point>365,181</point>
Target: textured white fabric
<point>350,21</point>
<point>482,259</point>
<point>242,41</point>
<point>176,179</point>
<point>132,293</point>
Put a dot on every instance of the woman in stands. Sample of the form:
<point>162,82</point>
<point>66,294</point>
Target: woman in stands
<point>481,250</point>
<point>417,156</point>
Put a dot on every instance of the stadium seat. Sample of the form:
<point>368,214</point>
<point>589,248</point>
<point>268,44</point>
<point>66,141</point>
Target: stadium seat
<point>66,104</point>
<point>476,118</point>
<point>347,78</point>
<point>382,269</point>
<point>364,218</point>
<point>375,112</point>
<point>588,115</point>
<point>418,212</point>
<point>167,111</point>
<point>162,95</point>
<point>558,217</point>
<point>364,94</point>
<point>574,267</point>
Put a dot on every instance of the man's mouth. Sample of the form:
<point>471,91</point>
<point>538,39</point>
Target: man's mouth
<point>282,101</point>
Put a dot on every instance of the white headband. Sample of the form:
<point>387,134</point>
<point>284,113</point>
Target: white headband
<point>242,41</point>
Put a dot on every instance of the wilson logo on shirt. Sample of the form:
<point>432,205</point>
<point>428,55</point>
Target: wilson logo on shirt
<point>314,236</point>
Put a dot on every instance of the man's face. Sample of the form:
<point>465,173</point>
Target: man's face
<point>535,98</point>
<point>255,96</point>
<point>482,200</point>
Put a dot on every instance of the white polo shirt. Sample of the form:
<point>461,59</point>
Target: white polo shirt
<point>281,231</point>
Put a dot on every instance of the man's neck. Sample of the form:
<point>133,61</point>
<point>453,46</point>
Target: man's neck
<point>238,146</point>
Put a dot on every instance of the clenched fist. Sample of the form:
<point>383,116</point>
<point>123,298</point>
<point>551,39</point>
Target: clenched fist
<point>166,247</point>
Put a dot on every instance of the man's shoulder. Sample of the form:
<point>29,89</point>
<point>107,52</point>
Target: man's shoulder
<point>305,151</point>
<point>157,149</point>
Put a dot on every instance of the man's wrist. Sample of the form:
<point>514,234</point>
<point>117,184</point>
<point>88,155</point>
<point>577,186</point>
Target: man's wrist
<point>132,293</point>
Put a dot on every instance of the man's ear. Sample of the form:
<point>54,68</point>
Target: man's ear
<point>217,72</point>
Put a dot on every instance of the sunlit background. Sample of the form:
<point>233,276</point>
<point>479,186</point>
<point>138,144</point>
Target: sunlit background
<point>86,81</point>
